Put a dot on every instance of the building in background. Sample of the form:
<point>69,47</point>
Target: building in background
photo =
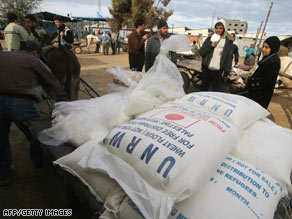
<point>235,26</point>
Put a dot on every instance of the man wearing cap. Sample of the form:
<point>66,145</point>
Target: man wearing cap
<point>14,33</point>
<point>154,43</point>
<point>136,44</point>
<point>22,79</point>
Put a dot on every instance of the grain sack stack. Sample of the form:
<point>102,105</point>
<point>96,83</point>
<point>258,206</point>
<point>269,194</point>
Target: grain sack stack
<point>235,190</point>
<point>155,152</point>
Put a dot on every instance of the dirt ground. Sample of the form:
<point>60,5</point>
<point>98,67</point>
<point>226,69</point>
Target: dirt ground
<point>32,192</point>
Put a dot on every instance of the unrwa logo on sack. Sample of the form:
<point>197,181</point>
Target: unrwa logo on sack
<point>214,108</point>
<point>146,155</point>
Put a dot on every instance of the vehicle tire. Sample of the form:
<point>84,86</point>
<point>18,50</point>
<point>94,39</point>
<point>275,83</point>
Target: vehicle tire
<point>78,50</point>
<point>186,80</point>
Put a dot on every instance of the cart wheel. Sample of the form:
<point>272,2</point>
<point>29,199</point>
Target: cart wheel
<point>124,48</point>
<point>77,50</point>
<point>186,80</point>
<point>196,80</point>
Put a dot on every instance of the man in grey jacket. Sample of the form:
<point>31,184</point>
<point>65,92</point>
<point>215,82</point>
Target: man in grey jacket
<point>154,43</point>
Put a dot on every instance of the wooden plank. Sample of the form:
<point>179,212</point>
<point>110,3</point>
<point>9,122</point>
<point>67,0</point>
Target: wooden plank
<point>194,65</point>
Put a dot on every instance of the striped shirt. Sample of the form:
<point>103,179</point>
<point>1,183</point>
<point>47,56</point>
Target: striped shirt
<point>14,33</point>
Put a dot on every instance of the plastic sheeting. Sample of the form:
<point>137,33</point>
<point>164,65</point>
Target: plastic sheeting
<point>80,121</point>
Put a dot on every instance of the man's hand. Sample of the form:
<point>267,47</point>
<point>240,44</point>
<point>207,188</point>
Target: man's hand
<point>146,36</point>
<point>245,81</point>
<point>214,44</point>
<point>61,34</point>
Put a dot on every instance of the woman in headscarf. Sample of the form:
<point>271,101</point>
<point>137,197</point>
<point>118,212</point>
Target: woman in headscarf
<point>261,84</point>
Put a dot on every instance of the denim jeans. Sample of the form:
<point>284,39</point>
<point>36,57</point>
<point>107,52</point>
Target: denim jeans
<point>24,113</point>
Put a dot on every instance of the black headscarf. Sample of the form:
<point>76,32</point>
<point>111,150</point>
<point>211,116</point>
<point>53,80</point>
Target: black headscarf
<point>274,44</point>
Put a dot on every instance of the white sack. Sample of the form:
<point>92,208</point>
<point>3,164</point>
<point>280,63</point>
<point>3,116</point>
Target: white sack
<point>235,190</point>
<point>99,184</point>
<point>165,155</point>
<point>268,147</point>
<point>238,110</point>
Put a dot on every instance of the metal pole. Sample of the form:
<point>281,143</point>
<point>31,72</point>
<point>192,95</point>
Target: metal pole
<point>49,102</point>
<point>84,82</point>
<point>266,22</point>
<point>258,33</point>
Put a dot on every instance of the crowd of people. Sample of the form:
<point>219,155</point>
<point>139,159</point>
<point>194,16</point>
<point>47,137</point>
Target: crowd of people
<point>218,53</point>
<point>23,75</point>
<point>107,39</point>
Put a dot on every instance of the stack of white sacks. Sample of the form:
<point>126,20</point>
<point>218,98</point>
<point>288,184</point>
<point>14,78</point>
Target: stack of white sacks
<point>203,155</point>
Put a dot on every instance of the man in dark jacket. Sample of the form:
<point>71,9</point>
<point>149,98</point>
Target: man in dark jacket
<point>136,44</point>
<point>65,35</point>
<point>154,43</point>
<point>36,32</point>
<point>23,75</point>
<point>217,54</point>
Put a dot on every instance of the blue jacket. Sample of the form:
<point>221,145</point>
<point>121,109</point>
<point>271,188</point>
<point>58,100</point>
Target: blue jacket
<point>105,38</point>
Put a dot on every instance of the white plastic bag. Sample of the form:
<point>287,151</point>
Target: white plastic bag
<point>129,78</point>
<point>80,121</point>
<point>175,43</point>
<point>163,81</point>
